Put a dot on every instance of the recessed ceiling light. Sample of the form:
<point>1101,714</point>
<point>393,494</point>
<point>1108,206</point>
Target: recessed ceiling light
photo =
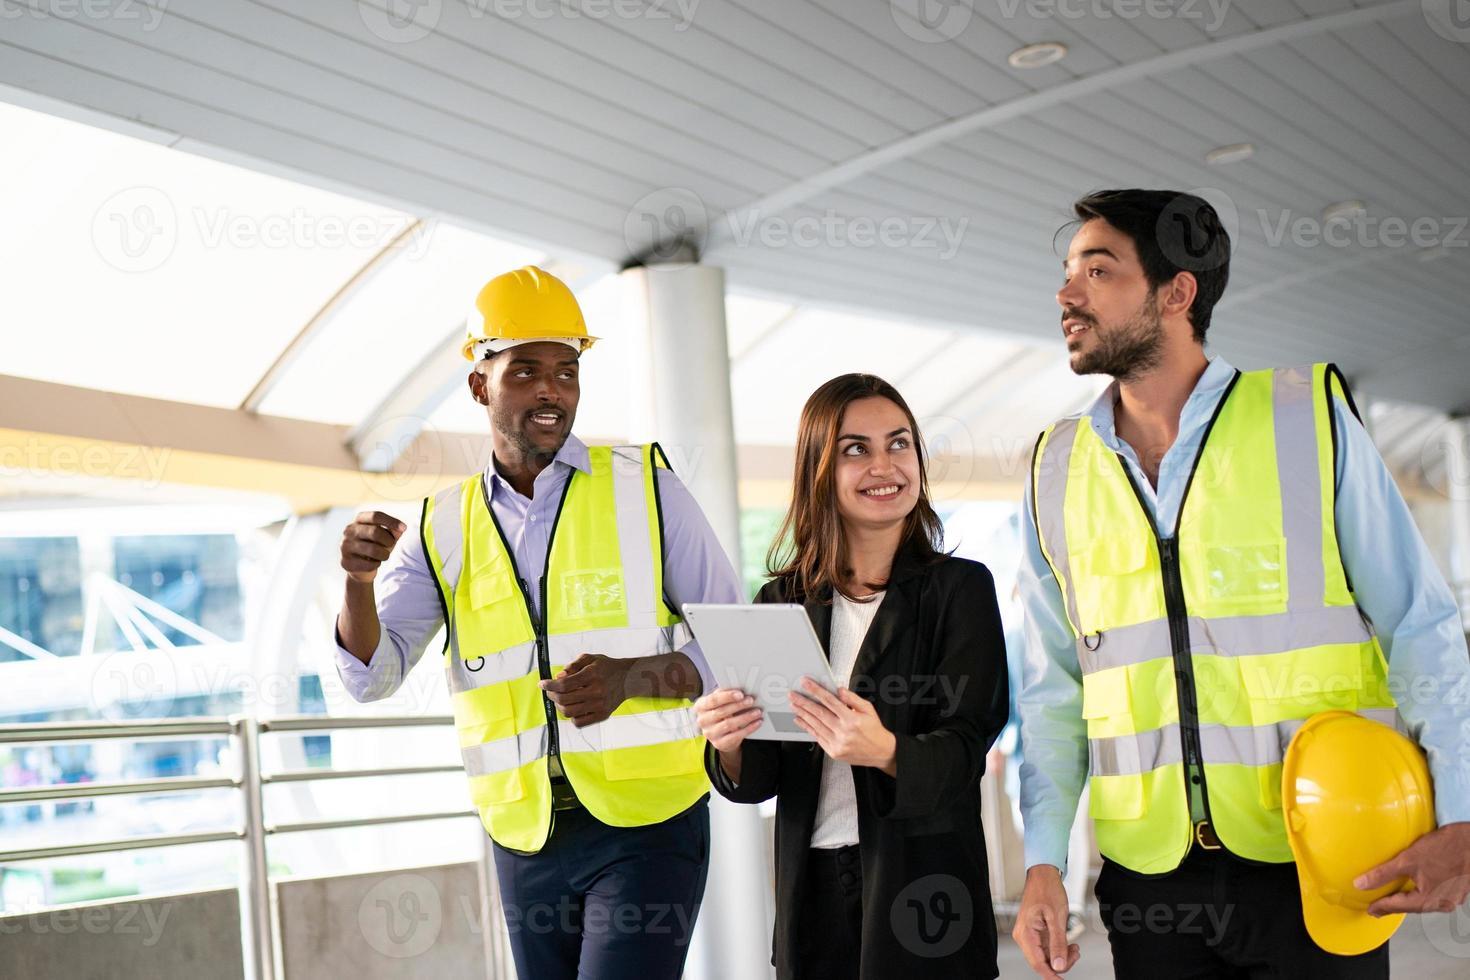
<point>1344,210</point>
<point>1038,55</point>
<point>1230,154</point>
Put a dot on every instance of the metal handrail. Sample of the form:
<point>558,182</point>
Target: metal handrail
<point>308,775</point>
<point>250,782</point>
<point>70,731</point>
<point>122,787</point>
<point>318,723</point>
<point>121,844</point>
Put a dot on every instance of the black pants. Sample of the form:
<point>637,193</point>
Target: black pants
<point>606,903</point>
<point>829,932</point>
<point>1218,916</point>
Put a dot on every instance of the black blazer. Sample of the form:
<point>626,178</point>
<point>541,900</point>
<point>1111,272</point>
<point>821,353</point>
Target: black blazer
<point>933,664</point>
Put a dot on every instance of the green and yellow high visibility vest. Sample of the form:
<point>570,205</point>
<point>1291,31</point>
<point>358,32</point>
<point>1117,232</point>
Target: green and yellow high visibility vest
<point>1209,648</point>
<point>602,592</point>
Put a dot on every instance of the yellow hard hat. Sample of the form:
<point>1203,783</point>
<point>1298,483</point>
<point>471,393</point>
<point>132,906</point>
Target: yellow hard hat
<point>1354,793</point>
<point>524,306</point>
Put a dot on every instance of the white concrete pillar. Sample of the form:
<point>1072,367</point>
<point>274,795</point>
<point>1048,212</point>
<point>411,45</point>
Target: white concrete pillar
<point>679,379</point>
<point>1457,488</point>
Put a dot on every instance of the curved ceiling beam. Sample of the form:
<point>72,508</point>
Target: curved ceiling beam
<point>945,132</point>
<point>370,269</point>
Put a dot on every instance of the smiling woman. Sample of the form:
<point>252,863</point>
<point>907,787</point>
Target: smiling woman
<point>882,826</point>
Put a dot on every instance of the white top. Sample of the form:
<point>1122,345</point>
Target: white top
<point>837,824</point>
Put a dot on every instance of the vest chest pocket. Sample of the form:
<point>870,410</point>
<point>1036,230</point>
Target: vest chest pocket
<point>1243,578</point>
<point>1118,582</point>
<point>491,583</point>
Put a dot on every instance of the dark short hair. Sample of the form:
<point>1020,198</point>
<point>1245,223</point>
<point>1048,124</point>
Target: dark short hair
<point>1174,232</point>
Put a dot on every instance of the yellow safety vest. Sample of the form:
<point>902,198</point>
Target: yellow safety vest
<point>1211,647</point>
<point>602,592</point>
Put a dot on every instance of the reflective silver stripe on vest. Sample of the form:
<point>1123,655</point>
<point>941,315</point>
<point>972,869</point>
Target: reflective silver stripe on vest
<point>1050,505</point>
<point>504,753</point>
<point>1249,745</point>
<point>447,527</point>
<point>1228,636</point>
<point>630,501</point>
<point>618,643</point>
<point>629,731</point>
<point>497,668</point>
<point>1301,486</point>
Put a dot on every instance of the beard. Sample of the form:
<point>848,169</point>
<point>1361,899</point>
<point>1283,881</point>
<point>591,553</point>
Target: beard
<point>513,427</point>
<point>1125,350</point>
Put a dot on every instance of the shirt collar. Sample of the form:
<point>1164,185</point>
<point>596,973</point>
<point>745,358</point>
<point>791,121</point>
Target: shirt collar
<point>573,453</point>
<point>1207,389</point>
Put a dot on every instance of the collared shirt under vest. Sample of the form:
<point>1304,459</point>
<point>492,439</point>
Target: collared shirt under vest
<point>602,592</point>
<point>1208,649</point>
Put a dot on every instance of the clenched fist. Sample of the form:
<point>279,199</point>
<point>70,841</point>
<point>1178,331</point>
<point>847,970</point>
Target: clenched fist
<point>367,542</point>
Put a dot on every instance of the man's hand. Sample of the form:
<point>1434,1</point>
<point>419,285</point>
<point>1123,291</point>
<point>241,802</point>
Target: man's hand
<point>1439,866</point>
<point>590,688</point>
<point>846,726</point>
<point>367,542</point>
<point>1041,923</point>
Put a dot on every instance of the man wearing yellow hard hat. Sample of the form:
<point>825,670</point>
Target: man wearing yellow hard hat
<point>560,572</point>
<point>1219,561</point>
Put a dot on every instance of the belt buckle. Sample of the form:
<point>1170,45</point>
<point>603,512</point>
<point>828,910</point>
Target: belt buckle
<point>1212,843</point>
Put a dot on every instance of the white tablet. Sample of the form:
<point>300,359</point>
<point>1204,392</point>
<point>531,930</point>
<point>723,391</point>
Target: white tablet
<point>765,650</point>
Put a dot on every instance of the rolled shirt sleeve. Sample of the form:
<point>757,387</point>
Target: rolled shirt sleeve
<point>1053,732</point>
<point>1400,589</point>
<point>696,568</point>
<point>410,613</point>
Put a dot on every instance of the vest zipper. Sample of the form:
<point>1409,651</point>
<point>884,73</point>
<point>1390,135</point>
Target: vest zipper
<point>543,665</point>
<point>1183,671</point>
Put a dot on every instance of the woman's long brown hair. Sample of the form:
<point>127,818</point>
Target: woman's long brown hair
<point>810,550</point>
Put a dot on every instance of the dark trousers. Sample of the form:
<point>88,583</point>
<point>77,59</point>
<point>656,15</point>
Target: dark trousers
<point>1217,916</point>
<point>606,903</point>
<point>829,932</point>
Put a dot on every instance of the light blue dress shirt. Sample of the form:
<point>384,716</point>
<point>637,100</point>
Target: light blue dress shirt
<point>1396,583</point>
<point>696,569</point>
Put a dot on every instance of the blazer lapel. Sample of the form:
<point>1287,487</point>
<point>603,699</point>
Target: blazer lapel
<point>894,616</point>
<point>820,613</point>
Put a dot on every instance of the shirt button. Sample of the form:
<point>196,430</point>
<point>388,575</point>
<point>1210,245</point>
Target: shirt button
<point>533,517</point>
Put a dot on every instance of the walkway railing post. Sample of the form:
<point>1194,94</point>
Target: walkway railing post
<point>257,905</point>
